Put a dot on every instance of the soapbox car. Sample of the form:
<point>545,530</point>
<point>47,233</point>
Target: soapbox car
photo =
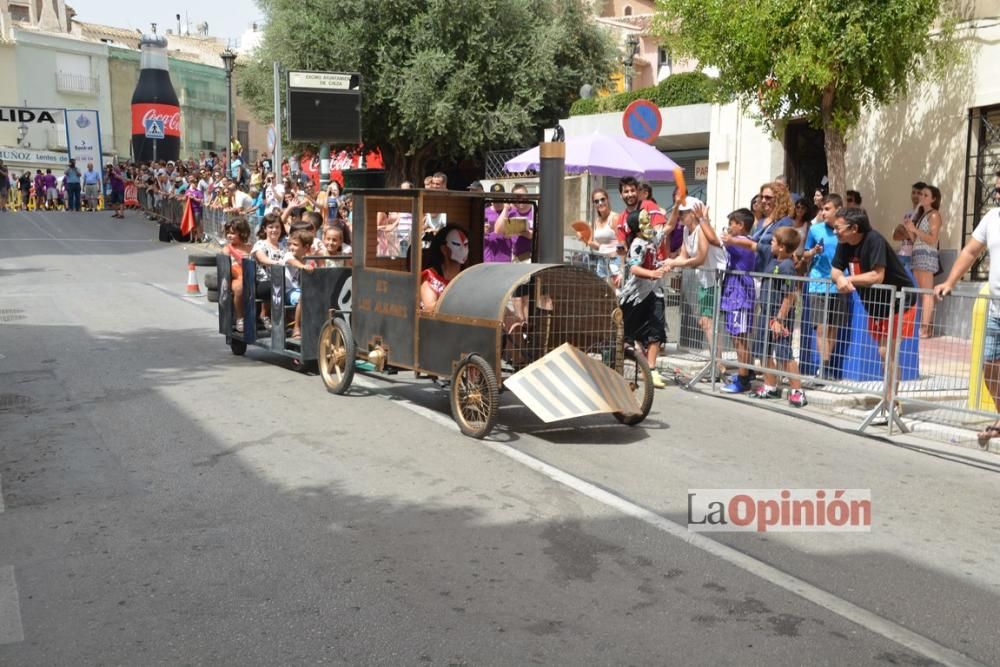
<point>568,358</point>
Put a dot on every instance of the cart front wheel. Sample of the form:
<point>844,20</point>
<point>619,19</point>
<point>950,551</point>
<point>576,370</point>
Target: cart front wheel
<point>474,397</point>
<point>336,356</point>
<point>238,347</point>
<point>640,379</point>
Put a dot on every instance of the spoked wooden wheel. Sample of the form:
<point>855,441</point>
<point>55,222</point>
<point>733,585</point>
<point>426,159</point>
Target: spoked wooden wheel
<point>640,379</point>
<point>336,356</point>
<point>474,397</point>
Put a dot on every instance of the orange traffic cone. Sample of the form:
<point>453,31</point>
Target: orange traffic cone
<point>192,286</point>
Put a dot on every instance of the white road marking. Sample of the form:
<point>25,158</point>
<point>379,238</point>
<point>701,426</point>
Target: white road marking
<point>11,630</point>
<point>88,240</point>
<point>1,496</point>
<point>847,610</point>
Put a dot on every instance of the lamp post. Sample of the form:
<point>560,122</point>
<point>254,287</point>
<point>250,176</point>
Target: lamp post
<point>631,48</point>
<point>229,60</point>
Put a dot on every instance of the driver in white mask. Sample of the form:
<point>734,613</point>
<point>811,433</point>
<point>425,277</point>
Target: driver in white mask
<point>447,255</point>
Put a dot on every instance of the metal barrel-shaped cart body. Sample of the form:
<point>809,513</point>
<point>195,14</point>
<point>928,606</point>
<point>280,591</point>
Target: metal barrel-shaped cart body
<point>565,304</point>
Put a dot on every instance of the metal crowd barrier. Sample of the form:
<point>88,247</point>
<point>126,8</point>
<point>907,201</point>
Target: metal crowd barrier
<point>170,210</point>
<point>950,389</point>
<point>936,381</point>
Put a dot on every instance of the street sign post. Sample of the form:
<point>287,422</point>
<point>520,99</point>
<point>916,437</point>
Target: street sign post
<point>154,131</point>
<point>642,120</point>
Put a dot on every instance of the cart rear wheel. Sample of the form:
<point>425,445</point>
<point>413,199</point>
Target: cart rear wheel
<point>640,379</point>
<point>238,347</point>
<point>336,356</point>
<point>474,397</point>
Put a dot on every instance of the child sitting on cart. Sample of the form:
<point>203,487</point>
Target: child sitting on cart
<point>334,246</point>
<point>238,234</point>
<point>299,244</point>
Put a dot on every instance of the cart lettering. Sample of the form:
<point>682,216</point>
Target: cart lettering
<point>364,304</point>
<point>381,286</point>
<point>392,309</point>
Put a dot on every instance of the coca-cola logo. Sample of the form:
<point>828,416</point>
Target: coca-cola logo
<point>167,115</point>
<point>171,122</point>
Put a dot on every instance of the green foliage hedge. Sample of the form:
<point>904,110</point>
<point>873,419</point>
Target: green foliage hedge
<point>675,90</point>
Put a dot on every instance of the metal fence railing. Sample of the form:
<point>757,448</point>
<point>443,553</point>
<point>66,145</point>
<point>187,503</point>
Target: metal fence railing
<point>212,220</point>
<point>858,353</point>
<point>495,160</point>
<point>951,388</point>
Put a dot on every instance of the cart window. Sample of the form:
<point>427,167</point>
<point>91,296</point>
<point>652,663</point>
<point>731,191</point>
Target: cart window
<point>388,225</point>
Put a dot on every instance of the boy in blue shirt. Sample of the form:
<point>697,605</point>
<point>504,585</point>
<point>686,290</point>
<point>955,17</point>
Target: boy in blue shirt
<point>829,308</point>
<point>777,300</point>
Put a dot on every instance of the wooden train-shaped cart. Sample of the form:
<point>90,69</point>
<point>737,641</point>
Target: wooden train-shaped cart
<point>568,359</point>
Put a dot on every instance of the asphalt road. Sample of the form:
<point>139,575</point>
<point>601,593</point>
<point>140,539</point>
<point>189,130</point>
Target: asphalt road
<point>165,502</point>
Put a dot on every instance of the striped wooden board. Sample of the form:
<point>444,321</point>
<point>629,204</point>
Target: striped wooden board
<point>566,383</point>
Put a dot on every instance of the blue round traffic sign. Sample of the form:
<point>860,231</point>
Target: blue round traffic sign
<point>642,121</point>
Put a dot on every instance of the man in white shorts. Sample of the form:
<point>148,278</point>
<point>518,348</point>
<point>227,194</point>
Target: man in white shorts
<point>986,236</point>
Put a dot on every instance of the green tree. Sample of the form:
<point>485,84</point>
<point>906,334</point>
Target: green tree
<point>441,79</point>
<point>822,60</point>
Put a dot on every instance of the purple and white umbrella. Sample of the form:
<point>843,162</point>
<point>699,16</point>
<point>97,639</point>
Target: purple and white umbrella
<point>605,155</point>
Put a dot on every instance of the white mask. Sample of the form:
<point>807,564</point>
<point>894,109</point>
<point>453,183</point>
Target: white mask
<point>458,245</point>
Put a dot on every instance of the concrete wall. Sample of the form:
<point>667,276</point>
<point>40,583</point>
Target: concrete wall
<point>741,157</point>
<point>258,130</point>
<point>36,67</point>
<point>9,93</point>
<point>923,137</point>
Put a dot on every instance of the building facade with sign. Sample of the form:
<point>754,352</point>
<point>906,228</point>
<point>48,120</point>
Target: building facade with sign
<point>53,61</point>
<point>51,70</point>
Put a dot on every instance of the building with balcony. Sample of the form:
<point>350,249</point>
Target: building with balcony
<point>49,64</point>
<point>55,61</point>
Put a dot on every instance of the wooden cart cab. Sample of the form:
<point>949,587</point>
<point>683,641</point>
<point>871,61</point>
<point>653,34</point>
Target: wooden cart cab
<point>389,257</point>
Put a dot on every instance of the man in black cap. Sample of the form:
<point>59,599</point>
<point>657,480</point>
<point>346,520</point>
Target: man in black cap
<point>476,186</point>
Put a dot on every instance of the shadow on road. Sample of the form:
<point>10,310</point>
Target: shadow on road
<point>281,543</point>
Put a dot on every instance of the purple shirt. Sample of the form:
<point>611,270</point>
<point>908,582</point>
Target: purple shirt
<point>196,196</point>
<point>49,181</point>
<point>117,184</point>
<point>521,244</point>
<point>738,290</point>
<point>496,248</point>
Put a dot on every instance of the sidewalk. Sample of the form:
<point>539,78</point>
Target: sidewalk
<point>933,425</point>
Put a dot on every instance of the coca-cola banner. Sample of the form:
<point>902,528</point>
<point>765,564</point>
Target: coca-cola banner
<point>83,137</point>
<point>169,114</point>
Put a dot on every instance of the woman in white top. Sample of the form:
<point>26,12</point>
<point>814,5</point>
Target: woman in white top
<point>603,239</point>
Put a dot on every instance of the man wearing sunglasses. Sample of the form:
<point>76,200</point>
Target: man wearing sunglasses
<point>865,263</point>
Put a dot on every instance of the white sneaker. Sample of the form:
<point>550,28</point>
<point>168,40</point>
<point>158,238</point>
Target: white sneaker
<point>657,380</point>
<point>239,325</point>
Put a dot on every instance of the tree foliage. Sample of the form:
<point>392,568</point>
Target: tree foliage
<point>822,60</point>
<point>675,90</point>
<point>441,79</point>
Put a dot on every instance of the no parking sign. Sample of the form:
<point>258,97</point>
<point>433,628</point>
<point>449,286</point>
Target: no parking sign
<point>642,121</point>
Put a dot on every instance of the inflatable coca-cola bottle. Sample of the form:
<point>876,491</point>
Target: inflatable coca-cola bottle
<point>154,98</point>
